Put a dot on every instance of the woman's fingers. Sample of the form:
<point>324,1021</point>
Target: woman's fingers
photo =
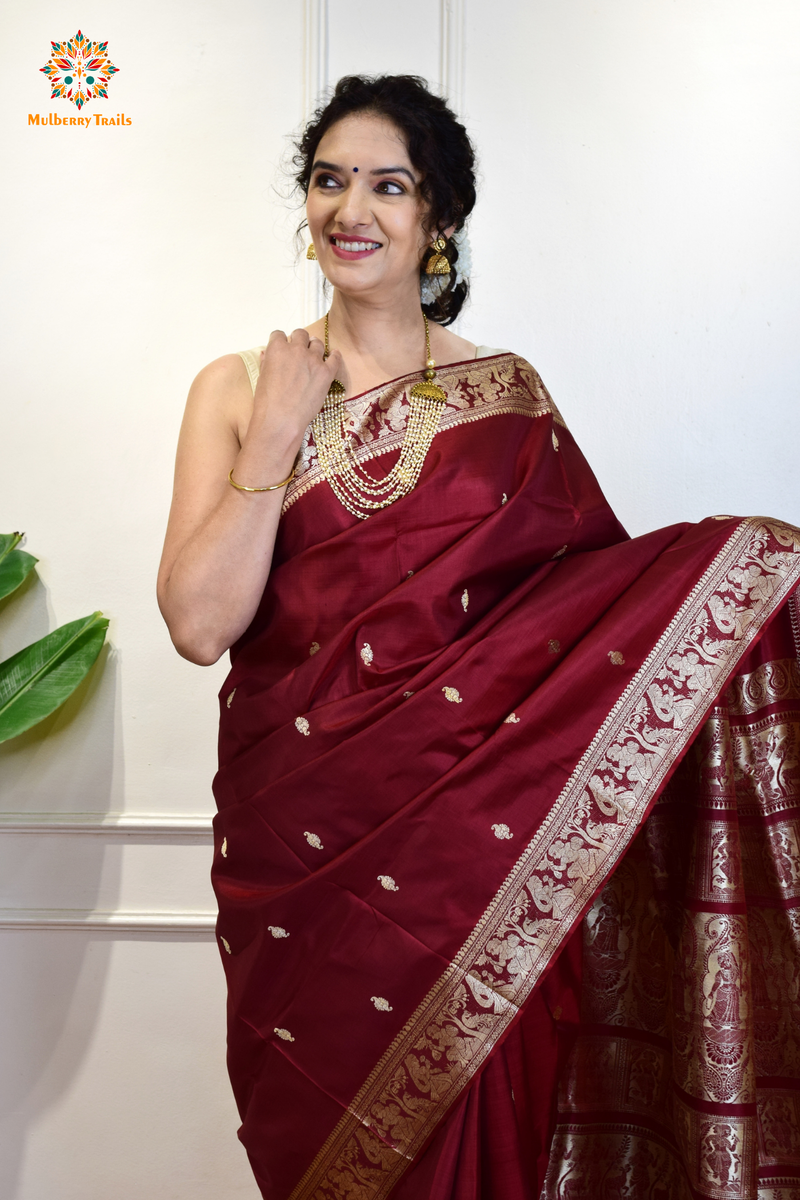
<point>298,337</point>
<point>295,374</point>
<point>335,363</point>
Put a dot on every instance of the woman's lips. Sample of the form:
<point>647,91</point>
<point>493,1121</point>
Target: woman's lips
<point>340,251</point>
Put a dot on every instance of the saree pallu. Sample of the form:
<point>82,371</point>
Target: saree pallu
<point>684,1073</point>
<point>439,738</point>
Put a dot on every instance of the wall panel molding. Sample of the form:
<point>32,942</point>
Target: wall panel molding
<point>155,825</point>
<point>315,74</point>
<point>119,921</point>
<point>452,51</point>
<point>315,81</point>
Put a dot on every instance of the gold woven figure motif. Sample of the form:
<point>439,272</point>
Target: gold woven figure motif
<point>359,492</point>
<point>438,264</point>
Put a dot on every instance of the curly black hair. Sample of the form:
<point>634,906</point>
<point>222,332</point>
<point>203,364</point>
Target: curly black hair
<point>438,146</point>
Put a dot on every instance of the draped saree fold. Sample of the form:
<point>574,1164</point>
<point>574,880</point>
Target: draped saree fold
<point>439,738</point>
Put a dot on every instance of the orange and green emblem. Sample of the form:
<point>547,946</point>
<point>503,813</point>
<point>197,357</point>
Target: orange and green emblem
<point>79,70</point>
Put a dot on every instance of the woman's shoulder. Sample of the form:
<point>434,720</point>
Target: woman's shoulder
<point>230,370</point>
<point>223,391</point>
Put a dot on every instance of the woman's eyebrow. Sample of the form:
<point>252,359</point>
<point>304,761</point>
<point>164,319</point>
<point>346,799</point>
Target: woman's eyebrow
<point>394,171</point>
<point>326,166</point>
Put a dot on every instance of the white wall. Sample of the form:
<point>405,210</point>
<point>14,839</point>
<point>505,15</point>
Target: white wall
<point>636,239</point>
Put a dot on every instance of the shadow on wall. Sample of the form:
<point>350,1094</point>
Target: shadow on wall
<point>53,981</point>
<point>49,1006</point>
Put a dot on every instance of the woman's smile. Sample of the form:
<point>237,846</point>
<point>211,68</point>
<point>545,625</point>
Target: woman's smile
<point>350,247</point>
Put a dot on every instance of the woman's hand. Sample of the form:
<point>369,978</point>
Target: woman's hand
<point>294,380</point>
<point>218,548</point>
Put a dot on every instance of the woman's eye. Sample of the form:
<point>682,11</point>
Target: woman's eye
<point>390,188</point>
<point>327,181</point>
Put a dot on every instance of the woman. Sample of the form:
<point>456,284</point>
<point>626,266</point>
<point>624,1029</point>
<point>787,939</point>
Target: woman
<point>458,689</point>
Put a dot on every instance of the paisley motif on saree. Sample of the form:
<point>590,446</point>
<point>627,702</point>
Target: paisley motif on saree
<point>608,653</point>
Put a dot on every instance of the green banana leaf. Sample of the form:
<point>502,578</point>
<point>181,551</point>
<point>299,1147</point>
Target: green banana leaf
<point>15,565</point>
<point>36,680</point>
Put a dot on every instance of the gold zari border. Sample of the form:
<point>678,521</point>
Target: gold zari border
<point>376,422</point>
<point>771,683</point>
<point>589,828</point>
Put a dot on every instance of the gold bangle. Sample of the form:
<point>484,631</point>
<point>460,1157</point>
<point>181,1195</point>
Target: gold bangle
<point>272,488</point>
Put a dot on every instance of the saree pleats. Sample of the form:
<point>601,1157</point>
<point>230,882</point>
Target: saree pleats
<point>438,740</point>
<point>684,1077</point>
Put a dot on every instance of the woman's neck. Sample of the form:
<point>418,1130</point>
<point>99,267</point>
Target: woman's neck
<point>381,335</point>
<point>380,341</point>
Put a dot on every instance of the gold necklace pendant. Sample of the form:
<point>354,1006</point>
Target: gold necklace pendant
<point>428,391</point>
<point>358,491</point>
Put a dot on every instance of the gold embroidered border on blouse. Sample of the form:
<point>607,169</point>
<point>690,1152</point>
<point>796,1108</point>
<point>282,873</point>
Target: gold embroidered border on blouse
<point>588,829</point>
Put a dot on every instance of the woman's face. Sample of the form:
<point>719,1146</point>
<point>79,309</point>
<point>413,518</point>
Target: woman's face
<point>364,209</point>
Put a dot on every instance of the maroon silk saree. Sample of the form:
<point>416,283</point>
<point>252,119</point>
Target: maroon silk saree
<point>439,739</point>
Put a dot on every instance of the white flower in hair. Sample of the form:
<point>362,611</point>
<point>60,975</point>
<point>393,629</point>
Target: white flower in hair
<point>464,264</point>
<point>432,286</point>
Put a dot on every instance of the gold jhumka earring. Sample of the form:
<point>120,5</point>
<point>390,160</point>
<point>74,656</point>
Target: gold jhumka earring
<point>311,252</point>
<point>438,264</point>
<point>350,483</point>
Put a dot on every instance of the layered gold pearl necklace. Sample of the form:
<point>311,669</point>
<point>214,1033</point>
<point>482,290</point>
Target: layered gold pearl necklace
<point>355,489</point>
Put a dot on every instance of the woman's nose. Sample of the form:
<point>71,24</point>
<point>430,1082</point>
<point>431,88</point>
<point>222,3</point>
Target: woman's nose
<point>354,208</point>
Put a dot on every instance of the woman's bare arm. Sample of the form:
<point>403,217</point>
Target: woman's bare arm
<point>219,543</point>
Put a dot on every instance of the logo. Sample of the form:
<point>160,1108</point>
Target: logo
<point>79,70</point>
